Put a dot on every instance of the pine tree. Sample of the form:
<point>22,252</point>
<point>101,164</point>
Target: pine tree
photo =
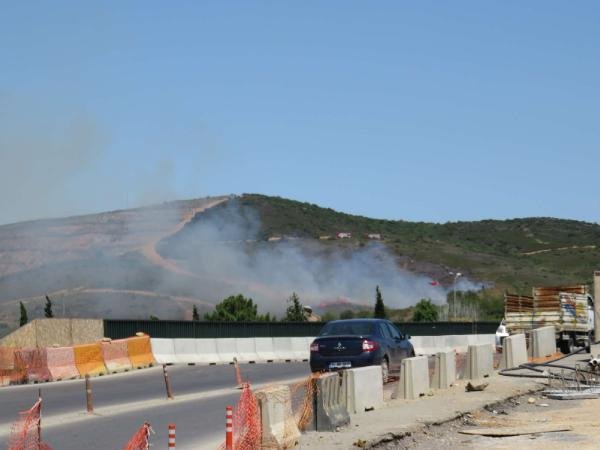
<point>425,311</point>
<point>379,306</point>
<point>48,309</point>
<point>195,315</point>
<point>294,312</point>
<point>235,308</point>
<point>24,318</point>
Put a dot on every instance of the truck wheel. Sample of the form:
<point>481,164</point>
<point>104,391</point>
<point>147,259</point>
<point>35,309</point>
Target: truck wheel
<point>567,345</point>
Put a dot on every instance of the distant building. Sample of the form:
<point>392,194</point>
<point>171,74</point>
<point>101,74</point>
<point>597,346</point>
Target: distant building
<point>274,238</point>
<point>344,235</point>
<point>325,238</point>
<point>310,316</point>
<point>375,236</point>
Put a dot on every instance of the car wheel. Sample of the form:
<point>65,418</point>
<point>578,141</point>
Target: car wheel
<point>385,369</point>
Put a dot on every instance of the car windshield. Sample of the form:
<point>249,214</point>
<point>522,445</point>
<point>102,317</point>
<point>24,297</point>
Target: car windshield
<point>347,328</point>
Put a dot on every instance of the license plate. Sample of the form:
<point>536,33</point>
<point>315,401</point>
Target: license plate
<point>340,365</point>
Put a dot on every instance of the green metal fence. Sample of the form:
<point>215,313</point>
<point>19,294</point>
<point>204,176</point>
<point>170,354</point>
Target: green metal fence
<point>117,329</point>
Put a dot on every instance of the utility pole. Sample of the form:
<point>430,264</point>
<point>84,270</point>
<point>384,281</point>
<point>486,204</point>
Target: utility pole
<point>456,276</point>
<point>596,306</point>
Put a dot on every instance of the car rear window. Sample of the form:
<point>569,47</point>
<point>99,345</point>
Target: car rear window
<point>347,328</point>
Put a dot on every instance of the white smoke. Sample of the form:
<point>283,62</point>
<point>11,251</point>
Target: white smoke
<point>225,246</point>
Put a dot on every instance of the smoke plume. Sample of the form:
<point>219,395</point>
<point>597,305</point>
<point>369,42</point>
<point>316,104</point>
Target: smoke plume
<point>226,245</point>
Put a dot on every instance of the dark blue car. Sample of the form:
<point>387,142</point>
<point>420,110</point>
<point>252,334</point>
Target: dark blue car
<point>344,344</point>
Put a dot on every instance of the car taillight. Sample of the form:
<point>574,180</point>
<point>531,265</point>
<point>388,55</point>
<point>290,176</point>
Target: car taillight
<point>369,346</point>
<point>314,347</point>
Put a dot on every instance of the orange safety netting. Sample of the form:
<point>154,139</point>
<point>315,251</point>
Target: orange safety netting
<point>33,362</point>
<point>141,439</point>
<point>303,394</point>
<point>88,359</point>
<point>247,432</point>
<point>139,351</point>
<point>25,432</point>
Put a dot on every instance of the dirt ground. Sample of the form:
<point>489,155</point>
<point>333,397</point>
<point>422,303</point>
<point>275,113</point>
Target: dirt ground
<point>582,416</point>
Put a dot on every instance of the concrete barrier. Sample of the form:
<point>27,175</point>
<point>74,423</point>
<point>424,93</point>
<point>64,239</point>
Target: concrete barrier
<point>543,342</point>
<point>185,351</point>
<point>279,429</point>
<point>283,348</point>
<point>444,374</point>
<point>330,405</point>
<point>246,350</point>
<point>163,350</point>
<point>480,361</point>
<point>265,350</point>
<point>300,349</point>
<point>363,389</point>
<point>116,358</point>
<point>226,350</point>
<point>424,345</point>
<point>206,350</point>
<point>139,352</point>
<point>430,345</point>
<point>414,378</point>
<point>514,351</point>
<point>89,360</point>
<point>61,363</point>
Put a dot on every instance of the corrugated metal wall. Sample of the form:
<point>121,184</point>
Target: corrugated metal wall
<point>117,329</point>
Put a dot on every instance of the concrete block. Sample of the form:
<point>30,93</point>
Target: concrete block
<point>279,429</point>
<point>543,342</point>
<point>414,378</point>
<point>226,349</point>
<point>364,389</point>
<point>444,374</point>
<point>300,349</point>
<point>185,351</point>
<point>265,349</point>
<point>330,410</point>
<point>424,345</point>
<point>283,348</point>
<point>514,351</point>
<point>430,345</point>
<point>163,350</point>
<point>480,361</point>
<point>206,350</point>
<point>246,350</point>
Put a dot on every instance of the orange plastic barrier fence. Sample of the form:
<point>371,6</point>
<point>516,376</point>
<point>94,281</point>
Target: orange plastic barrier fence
<point>25,432</point>
<point>140,352</point>
<point>88,359</point>
<point>140,440</point>
<point>7,358</point>
<point>115,355</point>
<point>33,362</point>
<point>9,373</point>
<point>61,363</point>
<point>247,428</point>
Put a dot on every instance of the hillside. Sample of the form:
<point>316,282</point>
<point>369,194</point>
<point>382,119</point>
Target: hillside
<point>163,259</point>
<point>513,254</point>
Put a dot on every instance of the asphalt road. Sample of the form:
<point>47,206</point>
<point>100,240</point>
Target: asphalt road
<point>123,402</point>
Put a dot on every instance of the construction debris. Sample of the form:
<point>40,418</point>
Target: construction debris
<point>514,431</point>
<point>475,387</point>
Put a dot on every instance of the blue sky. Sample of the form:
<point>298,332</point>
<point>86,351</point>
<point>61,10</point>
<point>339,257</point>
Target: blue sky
<point>433,111</point>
